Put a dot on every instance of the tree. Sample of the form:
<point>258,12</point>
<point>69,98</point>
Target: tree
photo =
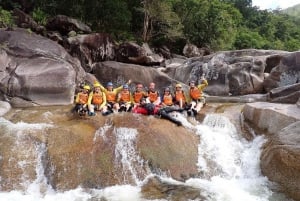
<point>160,20</point>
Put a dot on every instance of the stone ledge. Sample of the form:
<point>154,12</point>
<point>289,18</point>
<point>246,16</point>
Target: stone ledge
<point>271,117</point>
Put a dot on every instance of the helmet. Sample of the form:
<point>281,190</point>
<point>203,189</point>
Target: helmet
<point>87,87</point>
<point>96,84</point>
<point>125,86</point>
<point>109,84</point>
<point>178,85</point>
<point>167,89</point>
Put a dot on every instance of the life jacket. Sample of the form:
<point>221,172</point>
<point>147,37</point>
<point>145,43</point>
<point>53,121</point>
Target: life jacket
<point>168,100</point>
<point>125,96</point>
<point>152,96</point>
<point>195,93</point>
<point>97,98</point>
<point>111,96</point>
<point>179,95</point>
<point>137,96</point>
<point>83,98</point>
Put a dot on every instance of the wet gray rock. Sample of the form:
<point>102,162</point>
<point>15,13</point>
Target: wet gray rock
<point>37,69</point>
<point>65,24</point>
<point>286,72</point>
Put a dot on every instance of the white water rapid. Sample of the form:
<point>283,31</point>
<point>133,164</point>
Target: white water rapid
<point>228,164</point>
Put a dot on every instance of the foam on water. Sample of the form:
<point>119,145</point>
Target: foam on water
<point>230,167</point>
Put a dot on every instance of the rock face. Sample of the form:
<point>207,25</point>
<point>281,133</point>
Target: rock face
<point>120,73</point>
<point>280,157</point>
<point>88,152</point>
<point>37,69</point>
<point>270,117</point>
<point>92,48</point>
<point>65,24</point>
<point>285,94</point>
<point>230,72</point>
<point>156,189</point>
<point>286,72</point>
<point>130,52</point>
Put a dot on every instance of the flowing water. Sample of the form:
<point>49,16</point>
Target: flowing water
<point>228,164</point>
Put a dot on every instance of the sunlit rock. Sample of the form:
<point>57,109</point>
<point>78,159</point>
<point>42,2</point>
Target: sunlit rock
<point>37,69</point>
<point>269,118</point>
<point>280,159</point>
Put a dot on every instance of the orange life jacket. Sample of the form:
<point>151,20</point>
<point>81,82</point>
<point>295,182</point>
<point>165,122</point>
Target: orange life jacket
<point>168,99</point>
<point>83,98</point>
<point>125,96</point>
<point>111,96</point>
<point>179,95</point>
<point>137,96</point>
<point>153,96</point>
<point>97,98</point>
<point>195,93</point>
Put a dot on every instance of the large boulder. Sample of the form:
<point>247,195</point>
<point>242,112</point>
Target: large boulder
<point>37,69</point>
<point>65,24</point>
<point>286,72</point>
<point>93,152</point>
<point>238,72</point>
<point>120,73</point>
<point>91,48</point>
<point>269,118</point>
<point>280,159</point>
<point>285,94</point>
<point>130,52</point>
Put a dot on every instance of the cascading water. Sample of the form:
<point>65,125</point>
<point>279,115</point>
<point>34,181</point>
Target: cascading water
<point>229,166</point>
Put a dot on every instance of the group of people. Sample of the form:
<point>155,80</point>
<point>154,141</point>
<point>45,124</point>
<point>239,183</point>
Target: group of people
<point>108,99</point>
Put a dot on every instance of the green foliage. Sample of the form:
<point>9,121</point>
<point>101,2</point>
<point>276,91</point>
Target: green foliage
<point>209,23</point>
<point>217,24</point>
<point>39,16</point>
<point>249,39</point>
<point>6,19</point>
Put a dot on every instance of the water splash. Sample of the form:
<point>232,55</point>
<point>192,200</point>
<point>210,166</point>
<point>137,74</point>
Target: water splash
<point>102,131</point>
<point>229,163</point>
<point>126,156</point>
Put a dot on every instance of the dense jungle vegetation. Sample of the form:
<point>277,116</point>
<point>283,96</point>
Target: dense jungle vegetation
<point>215,24</point>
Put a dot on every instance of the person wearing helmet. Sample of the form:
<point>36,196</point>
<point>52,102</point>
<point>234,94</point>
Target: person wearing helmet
<point>125,99</point>
<point>147,108</point>
<point>167,98</point>
<point>97,100</point>
<point>138,94</point>
<point>153,94</point>
<point>197,100</point>
<point>179,96</point>
<point>81,100</point>
<point>111,96</point>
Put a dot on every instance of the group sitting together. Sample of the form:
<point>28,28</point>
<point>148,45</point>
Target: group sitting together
<point>109,100</point>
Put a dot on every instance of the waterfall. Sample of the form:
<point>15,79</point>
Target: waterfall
<point>126,156</point>
<point>228,164</point>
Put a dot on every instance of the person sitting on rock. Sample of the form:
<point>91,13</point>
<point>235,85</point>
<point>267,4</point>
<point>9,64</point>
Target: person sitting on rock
<point>138,94</point>
<point>197,100</point>
<point>153,94</point>
<point>151,109</point>
<point>125,99</point>
<point>111,96</point>
<point>81,101</point>
<point>179,97</point>
<point>97,100</point>
<point>167,98</point>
